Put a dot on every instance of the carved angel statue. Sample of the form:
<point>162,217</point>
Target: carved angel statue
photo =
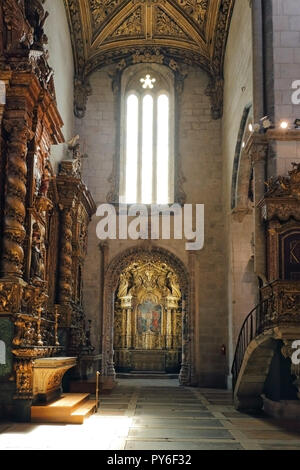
<point>136,284</point>
<point>296,167</point>
<point>173,284</point>
<point>124,285</point>
<point>161,284</point>
<point>46,178</point>
<point>74,145</point>
<point>278,185</point>
<point>6,293</point>
<point>37,268</point>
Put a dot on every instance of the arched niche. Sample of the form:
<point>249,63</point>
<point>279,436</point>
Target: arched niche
<point>111,284</point>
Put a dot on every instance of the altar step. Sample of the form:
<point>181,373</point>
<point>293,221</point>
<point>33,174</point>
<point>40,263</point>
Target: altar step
<point>89,386</point>
<point>143,374</point>
<point>70,408</point>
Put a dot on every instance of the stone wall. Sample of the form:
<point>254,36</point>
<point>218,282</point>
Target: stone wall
<point>286,41</point>
<point>238,93</point>
<point>61,60</point>
<point>201,154</point>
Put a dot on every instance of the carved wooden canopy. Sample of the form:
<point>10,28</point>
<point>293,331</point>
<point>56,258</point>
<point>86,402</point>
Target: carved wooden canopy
<point>106,31</point>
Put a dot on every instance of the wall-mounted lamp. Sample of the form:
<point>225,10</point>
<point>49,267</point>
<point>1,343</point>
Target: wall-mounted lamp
<point>254,127</point>
<point>284,125</point>
<point>297,124</point>
<point>266,122</point>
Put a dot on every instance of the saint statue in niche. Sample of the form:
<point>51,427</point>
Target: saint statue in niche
<point>37,266</point>
<point>173,284</point>
<point>125,284</point>
<point>38,173</point>
<point>46,178</point>
<point>149,318</point>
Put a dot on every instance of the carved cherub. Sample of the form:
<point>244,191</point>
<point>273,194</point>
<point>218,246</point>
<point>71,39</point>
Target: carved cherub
<point>46,178</point>
<point>73,145</point>
<point>6,294</point>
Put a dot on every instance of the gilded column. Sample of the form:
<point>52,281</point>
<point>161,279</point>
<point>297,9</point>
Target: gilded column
<point>15,198</point>
<point>129,329</point>
<point>169,328</point>
<point>65,275</point>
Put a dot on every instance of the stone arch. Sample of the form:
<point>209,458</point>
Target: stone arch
<point>116,266</point>
<point>241,166</point>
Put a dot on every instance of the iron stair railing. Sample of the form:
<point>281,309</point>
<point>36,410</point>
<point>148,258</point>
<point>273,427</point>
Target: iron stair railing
<point>254,324</point>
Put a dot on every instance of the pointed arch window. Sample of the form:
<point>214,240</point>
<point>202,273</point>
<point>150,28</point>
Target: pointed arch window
<point>147,161</point>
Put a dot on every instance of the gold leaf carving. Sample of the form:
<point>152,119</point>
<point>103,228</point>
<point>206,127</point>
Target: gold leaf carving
<point>166,26</point>
<point>100,9</point>
<point>131,26</point>
<point>196,9</point>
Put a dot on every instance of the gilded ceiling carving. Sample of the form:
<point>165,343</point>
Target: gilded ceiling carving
<point>165,26</point>
<point>131,26</point>
<point>101,9</point>
<point>196,9</point>
<point>190,31</point>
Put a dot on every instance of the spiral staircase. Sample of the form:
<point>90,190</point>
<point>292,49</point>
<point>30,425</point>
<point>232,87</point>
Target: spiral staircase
<point>262,369</point>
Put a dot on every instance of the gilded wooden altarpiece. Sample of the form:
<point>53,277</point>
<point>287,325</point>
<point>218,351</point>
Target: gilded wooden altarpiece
<point>169,333</point>
<point>38,221</point>
<point>148,318</point>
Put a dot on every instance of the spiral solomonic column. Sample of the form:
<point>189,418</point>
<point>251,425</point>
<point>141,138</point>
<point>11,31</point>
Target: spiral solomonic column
<point>15,199</point>
<point>65,279</point>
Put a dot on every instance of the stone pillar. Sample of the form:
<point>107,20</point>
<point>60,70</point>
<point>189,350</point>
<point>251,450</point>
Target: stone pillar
<point>184,375</point>
<point>257,57</point>
<point>258,156</point>
<point>103,248</point>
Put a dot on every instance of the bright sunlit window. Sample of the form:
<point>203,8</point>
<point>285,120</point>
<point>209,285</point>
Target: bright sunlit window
<point>146,166</point>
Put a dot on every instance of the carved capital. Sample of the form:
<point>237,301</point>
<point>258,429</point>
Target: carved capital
<point>215,91</point>
<point>258,153</point>
<point>82,90</point>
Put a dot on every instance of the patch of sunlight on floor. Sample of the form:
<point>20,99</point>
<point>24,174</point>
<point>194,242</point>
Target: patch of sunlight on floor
<point>97,433</point>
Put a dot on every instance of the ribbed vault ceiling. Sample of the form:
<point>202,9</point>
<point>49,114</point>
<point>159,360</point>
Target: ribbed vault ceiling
<point>105,31</point>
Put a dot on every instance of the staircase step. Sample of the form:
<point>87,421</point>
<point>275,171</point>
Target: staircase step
<point>89,386</point>
<point>59,410</point>
<point>83,386</point>
<point>83,411</point>
<point>146,375</point>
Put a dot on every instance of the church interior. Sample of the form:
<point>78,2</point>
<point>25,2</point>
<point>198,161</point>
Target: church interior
<point>143,342</point>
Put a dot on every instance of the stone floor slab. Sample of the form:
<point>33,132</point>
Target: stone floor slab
<point>151,445</point>
<point>179,433</point>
